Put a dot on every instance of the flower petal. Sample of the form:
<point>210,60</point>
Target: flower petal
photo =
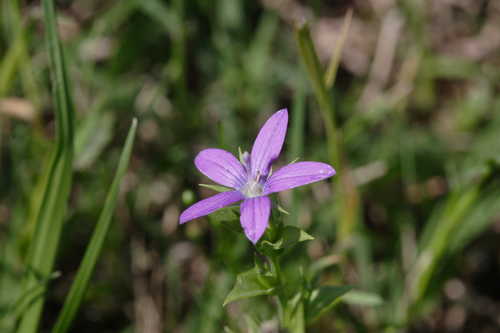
<point>255,217</point>
<point>221,167</point>
<point>297,174</point>
<point>267,145</point>
<point>210,205</point>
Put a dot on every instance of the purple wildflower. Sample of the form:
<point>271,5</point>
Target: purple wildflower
<point>251,179</point>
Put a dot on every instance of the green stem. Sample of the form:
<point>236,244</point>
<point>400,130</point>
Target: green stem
<point>280,297</point>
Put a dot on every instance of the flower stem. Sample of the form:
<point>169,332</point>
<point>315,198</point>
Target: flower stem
<point>280,295</point>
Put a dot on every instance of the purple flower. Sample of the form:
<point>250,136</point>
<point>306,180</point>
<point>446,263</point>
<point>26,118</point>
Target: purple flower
<point>251,178</point>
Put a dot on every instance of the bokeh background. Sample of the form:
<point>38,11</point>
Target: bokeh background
<point>416,106</point>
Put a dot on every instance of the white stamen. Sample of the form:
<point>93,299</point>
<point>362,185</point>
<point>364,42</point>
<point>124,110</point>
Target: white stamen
<point>245,159</point>
<point>252,189</point>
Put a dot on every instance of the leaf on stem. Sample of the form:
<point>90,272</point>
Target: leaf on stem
<point>289,237</point>
<point>227,218</point>
<point>249,284</point>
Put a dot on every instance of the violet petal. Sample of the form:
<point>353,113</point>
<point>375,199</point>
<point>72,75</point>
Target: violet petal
<point>255,217</point>
<point>221,167</point>
<point>210,205</point>
<point>267,145</point>
<point>297,174</point>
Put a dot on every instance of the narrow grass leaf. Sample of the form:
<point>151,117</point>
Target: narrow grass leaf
<point>350,198</point>
<point>87,266</point>
<point>49,221</point>
<point>457,207</point>
<point>331,72</point>
<point>296,143</point>
<point>313,67</point>
<point>9,63</point>
<point>363,298</point>
<point>323,299</point>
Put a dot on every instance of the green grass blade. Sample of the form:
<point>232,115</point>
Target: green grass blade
<point>457,207</point>
<point>80,284</point>
<point>331,72</point>
<point>296,144</point>
<point>9,63</point>
<point>313,67</point>
<point>49,221</point>
<point>350,202</point>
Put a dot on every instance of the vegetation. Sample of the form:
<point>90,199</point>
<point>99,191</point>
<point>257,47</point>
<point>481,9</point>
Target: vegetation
<point>105,104</point>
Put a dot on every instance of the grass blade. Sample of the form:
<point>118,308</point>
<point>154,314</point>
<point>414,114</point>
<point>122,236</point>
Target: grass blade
<point>296,144</point>
<point>331,72</point>
<point>350,202</point>
<point>50,217</point>
<point>313,67</point>
<point>80,284</point>
<point>450,220</point>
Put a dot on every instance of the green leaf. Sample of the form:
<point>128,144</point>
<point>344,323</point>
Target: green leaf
<point>87,266</point>
<point>92,137</point>
<point>227,218</point>
<point>249,284</point>
<point>216,188</point>
<point>50,217</point>
<point>25,300</point>
<point>252,325</point>
<point>290,236</point>
<point>293,235</point>
<point>333,66</point>
<point>9,63</point>
<point>321,264</point>
<point>162,14</point>
<point>438,235</point>
<point>294,314</point>
<point>312,64</point>
<point>363,298</point>
<point>282,210</point>
<point>323,299</point>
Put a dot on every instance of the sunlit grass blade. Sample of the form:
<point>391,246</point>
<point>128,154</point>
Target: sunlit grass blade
<point>296,143</point>
<point>315,72</point>
<point>9,63</point>
<point>450,218</point>
<point>350,199</point>
<point>331,72</point>
<point>80,284</point>
<point>17,61</point>
<point>49,221</point>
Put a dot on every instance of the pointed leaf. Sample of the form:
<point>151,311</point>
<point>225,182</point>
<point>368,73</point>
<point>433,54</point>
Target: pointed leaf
<point>216,188</point>
<point>294,314</point>
<point>282,210</point>
<point>290,236</point>
<point>363,298</point>
<point>293,235</point>
<point>249,284</point>
<point>227,217</point>
<point>92,136</point>
<point>87,266</point>
<point>323,299</point>
<point>50,217</point>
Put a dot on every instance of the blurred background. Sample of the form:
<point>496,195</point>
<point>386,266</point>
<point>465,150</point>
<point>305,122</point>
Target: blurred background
<point>412,220</point>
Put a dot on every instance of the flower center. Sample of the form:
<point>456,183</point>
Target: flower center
<point>253,188</point>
